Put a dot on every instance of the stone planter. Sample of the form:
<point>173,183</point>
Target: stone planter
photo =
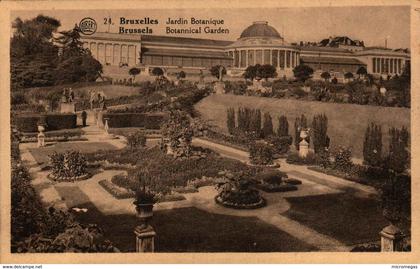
<point>144,211</point>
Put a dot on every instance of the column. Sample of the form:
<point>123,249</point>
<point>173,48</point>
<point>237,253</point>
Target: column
<point>240,58</point>
<point>247,64</point>
<point>255,57</point>
<point>271,56</point>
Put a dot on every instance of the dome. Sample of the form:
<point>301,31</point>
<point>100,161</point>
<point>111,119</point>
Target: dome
<point>260,29</point>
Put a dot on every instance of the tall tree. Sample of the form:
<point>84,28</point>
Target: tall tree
<point>33,56</point>
<point>75,62</point>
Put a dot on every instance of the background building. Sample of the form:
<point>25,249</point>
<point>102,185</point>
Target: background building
<point>259,43</point>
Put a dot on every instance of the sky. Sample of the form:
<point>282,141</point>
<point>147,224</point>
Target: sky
<point>370,24</point>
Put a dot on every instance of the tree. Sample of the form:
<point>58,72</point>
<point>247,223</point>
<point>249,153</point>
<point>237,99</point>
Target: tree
<point>251,72</point>
<point>267,129</point>
<point>398,154</point>
<point>266,71</point>
<point>134,72</point>
<point>157,71</point>
<point>255,123</point>
<point>33,57</point>
<point>361,71</point>
<point>372,145</point>
<point>326,76</point>
<point>230,121</point>
<point>319,132</point>
<point>348,75</point>
<point>302,72</point>
<point>181,75</point>
<point>215,71</point>
<point>70,44</point>
<point>299,124</point>
<point>283,128</point>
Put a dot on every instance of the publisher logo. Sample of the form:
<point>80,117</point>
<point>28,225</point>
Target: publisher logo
<point>87,26</point>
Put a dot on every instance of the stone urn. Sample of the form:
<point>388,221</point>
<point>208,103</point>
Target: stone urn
<point>144,213</point>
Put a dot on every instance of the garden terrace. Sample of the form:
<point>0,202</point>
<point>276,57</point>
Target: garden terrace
<point>343,129</point>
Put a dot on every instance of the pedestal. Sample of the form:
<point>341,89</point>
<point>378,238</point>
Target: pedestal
<point>303,148</point>
<point>391,239</point>
<point>67,108</point>
<point>99,119</point>
<point>219,87</point>
<point>41,140</point>
<point>145,239</point>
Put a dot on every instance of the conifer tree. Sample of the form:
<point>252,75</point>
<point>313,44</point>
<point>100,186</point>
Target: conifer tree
<point>267,125</point>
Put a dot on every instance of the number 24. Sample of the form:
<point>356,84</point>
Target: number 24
<point>107,21</point>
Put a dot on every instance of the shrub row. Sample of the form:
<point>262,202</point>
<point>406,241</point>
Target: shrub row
<point>121,120</point>
<point>53,121</point>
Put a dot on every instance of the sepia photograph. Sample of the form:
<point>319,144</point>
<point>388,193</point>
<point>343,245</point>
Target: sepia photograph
<point>212,130</point>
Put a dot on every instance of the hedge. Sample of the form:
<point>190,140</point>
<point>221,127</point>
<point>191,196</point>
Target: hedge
<point>122,120</point>
<point>54,121</point>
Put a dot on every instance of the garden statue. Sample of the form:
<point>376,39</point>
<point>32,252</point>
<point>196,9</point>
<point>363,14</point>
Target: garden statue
<point>92,98</point>
<point>71,96</point>
<point>84,117</point>
<point>41,136</point>
<point>304,145</point>
<point>201,78</point>
<point>201,84</point>
<point>64,96</point>
<point>220,73</point>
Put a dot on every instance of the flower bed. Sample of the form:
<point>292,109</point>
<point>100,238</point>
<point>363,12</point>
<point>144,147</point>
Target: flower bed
<point>68,166</point>
<point>282,187</point>
<point>260,202</point>
<point>116,191</point>
<point>68,179</point>
<point>236,191</point>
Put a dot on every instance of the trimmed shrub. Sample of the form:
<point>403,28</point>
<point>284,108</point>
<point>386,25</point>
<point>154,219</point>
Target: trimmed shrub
<point>230,121</point>
<point>260,154</point>
<point>267,129</point>
<point>61,121</point>
<point>319,132</point>
<point>154,121</point>
<point>136,140</point>
<point>277,188</point>
<point>271,177</point>
<point>281,145</point>
<point>372,145</point>
<point>342,160</point>
<point>122,120</point>
<point>29,123</point>
<point>283,128</point>
<point>398,158</point>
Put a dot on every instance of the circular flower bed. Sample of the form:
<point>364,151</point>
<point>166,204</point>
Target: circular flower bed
<point>242,201</point>
<point>235,191</point>
<point>68,167</point>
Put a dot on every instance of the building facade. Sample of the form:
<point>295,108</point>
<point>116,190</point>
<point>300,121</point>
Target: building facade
<point>259,43</point>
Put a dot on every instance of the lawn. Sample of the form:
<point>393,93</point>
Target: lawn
<point>187,229</point>
<point>346,122</point>
<point>344,217</point>
<point>41,154</point>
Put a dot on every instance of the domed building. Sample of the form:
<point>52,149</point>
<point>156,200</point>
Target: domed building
<point>260,43</point>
